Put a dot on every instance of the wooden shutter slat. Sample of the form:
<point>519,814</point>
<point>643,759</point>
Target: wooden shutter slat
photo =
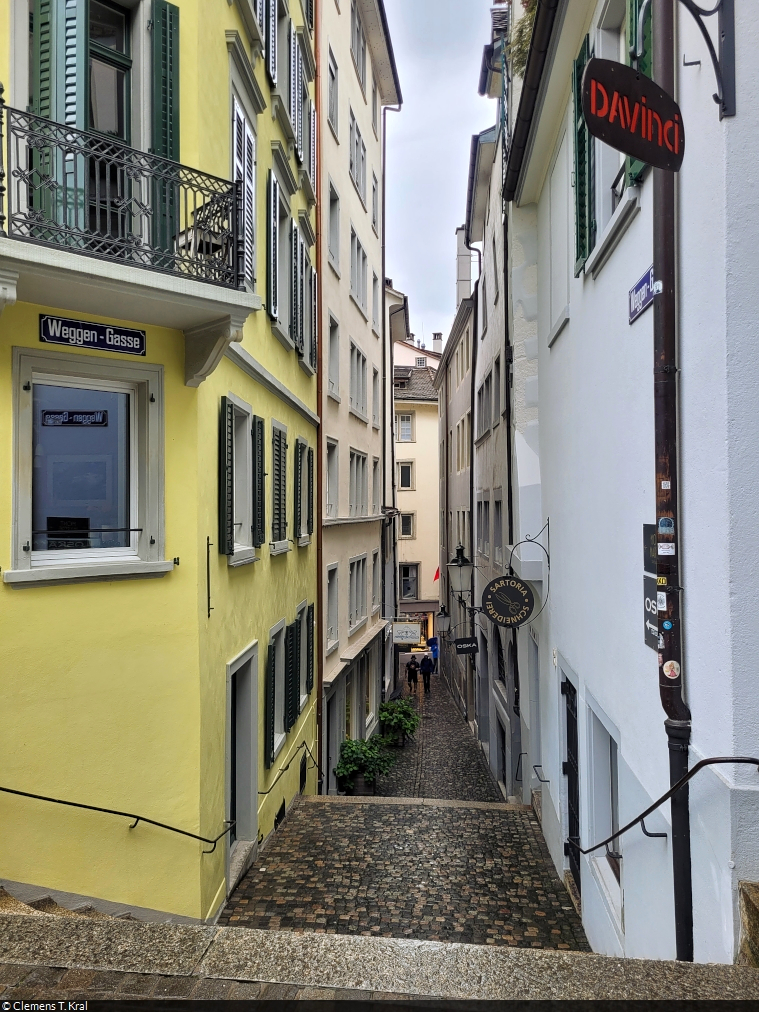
<point>226,478</point>
<point>295,333</point>
<point>581,145</point>
<point>166,79</point>
<point>43,59</point>
<point>271,41</point>
<point>272,245</point>
<point>299,103</point>
<point>259,482</point>
<point>310,490</point>
<point>290,675</point>
<point>276,481</point>
<point>310,649</point>
<point>314,320</point>
<point>269,707</point>
<point>293,77</point>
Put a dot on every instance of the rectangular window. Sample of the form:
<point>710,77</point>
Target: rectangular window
<point>332,488</point>
<point>376,486</point>
<point>332,603</point>
<point>239,480</point>
<point>332,107</point>
<point>404,426</point>
<point>375,580</point>
<point>407,525</point>
<point>605,805</point>
<point>375,398</point>
<point>333,244</point>
<point>279,487</point>
<point>406,475</point>
<point>583,155</point>
<point>276,702</point>
<point>421,362</point>
<point>375,107</point>
<point>486,527</point>
<point>357,591</point>
<point>303,490</point>
<point>375,203</point>
<point>409,583</point>
<point>495,271</point>
<point>358,488</point>
<point>358,271</point>
<point>376,308</point>
<point>245,174</point>
<point>109,70</point>
<point>497,389</point>
<point>498,530</point>
<point>479,526</point>
<point>358,44</point>
<point>86,463</point>
<point>358,392</point>
<point>468,438</point>
<point>357,157</point>
<point>333,376</point>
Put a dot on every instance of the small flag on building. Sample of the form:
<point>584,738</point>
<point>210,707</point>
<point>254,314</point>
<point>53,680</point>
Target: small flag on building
<point>437,574</point>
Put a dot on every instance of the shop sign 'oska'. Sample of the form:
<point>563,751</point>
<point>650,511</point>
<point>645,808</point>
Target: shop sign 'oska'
<point>631,113</point>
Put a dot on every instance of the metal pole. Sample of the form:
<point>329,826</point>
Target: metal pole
<point>677,724</point>
<point>323,332</point>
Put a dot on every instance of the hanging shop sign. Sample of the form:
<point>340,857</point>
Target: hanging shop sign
<point>102,337</point>
<point>630,112</point>
<point>651,611</point>
<point>508,601</point>
<point>407,632</point>
<point>466,645</point>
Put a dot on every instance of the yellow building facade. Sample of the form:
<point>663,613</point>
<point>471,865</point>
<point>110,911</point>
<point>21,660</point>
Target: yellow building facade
<point>158,429</point>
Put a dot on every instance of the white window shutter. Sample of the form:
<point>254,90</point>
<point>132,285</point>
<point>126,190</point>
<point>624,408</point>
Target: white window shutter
<point>299,103</point>
<point>273,246</point>
<point>271,42</point>
<point>294,287</point>
<point>261,17</point>
<point>302,294</point>
<point>293,39</point>
<point>244,169</point>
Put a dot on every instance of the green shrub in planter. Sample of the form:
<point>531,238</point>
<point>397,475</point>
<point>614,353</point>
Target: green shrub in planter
<point>399,718</point>
<point>361,756</point>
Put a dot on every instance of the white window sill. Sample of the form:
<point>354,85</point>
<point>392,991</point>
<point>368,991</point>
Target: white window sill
<point>360,415</point>
<point>243,556</point>
<point>332,126</point>
<point>303,701</point>
<point>560,324</point>
<point>334,396</point>
<point>609,887</point>
<point>375,424</point>
<point>375,330</point>
<point>279,547</point>
<point>332,645</point>
<point>334,264</point>
<point>375,610</point>
<point>618,224</point>
<point>353,629</point>
<point>97,571</point>
<point>282,336</point>
<point>304,540</point>
<point>306,366</point>
<point>358,306</point>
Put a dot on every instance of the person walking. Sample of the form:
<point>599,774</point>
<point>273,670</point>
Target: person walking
<point>412,674</point>
<point>427,667</point>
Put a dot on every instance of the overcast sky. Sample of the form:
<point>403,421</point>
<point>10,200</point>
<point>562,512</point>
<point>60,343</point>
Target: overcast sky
<point>438,48</point>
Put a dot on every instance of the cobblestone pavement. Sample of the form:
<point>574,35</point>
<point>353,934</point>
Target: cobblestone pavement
<point>460,871</point>
<point>442,760</point>
<point>53,984</point>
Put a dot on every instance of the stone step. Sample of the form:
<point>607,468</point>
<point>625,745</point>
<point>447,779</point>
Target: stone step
<point>10,905</point>
<point>359,963</point>
<point>749,902</point>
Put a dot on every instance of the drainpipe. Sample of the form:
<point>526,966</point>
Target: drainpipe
<point>678,722</point>
<point>472,514</point>
<point>319,438</point>
<point>388,526</point>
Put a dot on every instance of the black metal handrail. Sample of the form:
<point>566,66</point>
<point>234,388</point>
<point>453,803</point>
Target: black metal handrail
<point>92,194</point>
<point>126,815</point>
<point>717,760</point>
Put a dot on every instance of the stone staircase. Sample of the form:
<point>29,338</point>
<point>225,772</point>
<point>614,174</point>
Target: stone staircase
<point>47,906</point>
<point>749,903</point>
<point>48,954</point>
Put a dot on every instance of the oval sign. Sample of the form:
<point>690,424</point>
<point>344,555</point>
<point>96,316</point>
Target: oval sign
<point>630,112</point>
<point>508,601</point>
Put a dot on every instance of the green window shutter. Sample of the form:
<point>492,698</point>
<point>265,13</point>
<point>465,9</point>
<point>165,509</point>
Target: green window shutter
<point>269,707</point>
<point>259,482</point>
<point>297,655</point>
<point>634,168</point>
<point>310,490</point>
<point>291,675</point>
<point>226,478</point>
<point>295,335</point>
<point>297,490</point>
<point>43,59</point>
<point>582,146</point>
<point>310,649</point>
<point>279,485</point>
<point>166,80</point>
<point>272,245</point>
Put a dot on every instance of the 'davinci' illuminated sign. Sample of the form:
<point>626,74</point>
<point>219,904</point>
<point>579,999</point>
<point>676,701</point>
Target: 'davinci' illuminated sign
<point>630,112</point>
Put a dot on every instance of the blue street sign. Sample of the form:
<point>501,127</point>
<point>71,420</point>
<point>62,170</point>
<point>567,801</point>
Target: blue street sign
<point>58,330</point>
<point>642,295</point>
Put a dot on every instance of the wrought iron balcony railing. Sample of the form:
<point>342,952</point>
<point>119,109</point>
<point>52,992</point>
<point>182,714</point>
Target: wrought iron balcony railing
<point>92,194</point>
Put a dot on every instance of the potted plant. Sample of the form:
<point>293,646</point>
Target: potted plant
<point>399,720</point>
<point>361,762</point>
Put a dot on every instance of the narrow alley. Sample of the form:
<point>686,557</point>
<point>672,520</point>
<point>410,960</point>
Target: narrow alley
<point>435,855</point>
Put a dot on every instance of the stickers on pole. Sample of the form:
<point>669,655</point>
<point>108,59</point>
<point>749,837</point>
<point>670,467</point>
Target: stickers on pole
<point>630,112</point>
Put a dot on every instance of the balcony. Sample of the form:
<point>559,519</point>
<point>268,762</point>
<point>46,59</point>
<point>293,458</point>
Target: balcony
<point>168,237</point>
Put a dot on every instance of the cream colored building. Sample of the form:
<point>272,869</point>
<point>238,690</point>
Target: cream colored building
<point>417,490</point>
<point>357,79</point>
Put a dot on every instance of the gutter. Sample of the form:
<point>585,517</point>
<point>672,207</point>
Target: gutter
<point>545,18</point>
<point>390,53</point>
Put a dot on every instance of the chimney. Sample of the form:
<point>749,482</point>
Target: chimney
<point>410,338</point>
<point>437,343</point>
<point>463,267</point>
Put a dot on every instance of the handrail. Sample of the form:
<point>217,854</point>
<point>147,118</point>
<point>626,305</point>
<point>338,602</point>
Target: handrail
<point>125,815</point>
<point>665,797</point>
<point>284,769</point>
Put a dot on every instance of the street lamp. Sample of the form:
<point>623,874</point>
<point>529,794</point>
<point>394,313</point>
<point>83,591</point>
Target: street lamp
<point>443,620</point>
<point>460,571</point>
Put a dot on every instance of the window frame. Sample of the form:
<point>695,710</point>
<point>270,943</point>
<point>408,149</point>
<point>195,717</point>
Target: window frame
<point>409,565</point>
<point>357,598</point>
<point>242,480</point>
<point>412,465</point>
<point>411,415</point>
<point>333,93</point>
<point>277,640</point>
<point>283,544</point>
<point>147,504</point>
<point>411,536</point>
<point>333,605</point>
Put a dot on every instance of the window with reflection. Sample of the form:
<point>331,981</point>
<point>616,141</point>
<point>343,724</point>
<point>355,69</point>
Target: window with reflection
<point>110,67</point>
